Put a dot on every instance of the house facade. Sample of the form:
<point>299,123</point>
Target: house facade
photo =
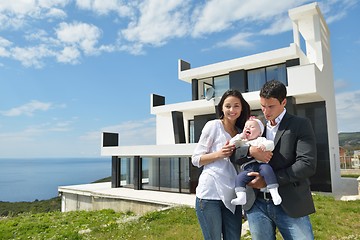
<point>305,68</point>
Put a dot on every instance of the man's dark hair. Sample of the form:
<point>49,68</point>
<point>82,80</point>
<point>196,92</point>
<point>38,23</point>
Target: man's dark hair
<point>273,89</point>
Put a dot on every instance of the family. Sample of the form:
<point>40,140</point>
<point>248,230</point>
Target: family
<point>261,168</point>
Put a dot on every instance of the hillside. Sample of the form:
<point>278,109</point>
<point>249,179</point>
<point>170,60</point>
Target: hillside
<point>350,141</point>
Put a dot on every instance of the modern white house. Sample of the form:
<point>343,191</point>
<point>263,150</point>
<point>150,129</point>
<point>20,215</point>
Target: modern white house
<point>305,67</point>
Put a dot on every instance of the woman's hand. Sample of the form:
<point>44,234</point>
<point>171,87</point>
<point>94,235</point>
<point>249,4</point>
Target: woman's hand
<point>226,150</point>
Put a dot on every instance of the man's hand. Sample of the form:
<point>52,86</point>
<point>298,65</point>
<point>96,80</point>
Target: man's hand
<point>259,154</point>
<point>258,182</point>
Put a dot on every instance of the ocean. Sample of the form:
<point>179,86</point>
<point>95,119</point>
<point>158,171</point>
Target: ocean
<point>39,178</point>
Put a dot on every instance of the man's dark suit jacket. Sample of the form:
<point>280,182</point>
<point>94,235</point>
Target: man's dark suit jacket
<point>294,161</point>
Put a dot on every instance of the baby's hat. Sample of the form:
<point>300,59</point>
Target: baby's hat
<point>261,125</point>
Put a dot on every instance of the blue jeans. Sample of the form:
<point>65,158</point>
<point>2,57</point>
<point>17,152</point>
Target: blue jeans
<point>264,217</point>
<point>216,220</point>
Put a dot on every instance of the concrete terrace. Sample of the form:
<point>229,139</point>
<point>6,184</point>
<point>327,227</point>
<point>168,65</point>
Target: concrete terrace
<point>96,196</point>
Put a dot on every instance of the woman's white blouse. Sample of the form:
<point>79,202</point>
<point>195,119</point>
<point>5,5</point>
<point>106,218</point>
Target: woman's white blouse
<point>217,180</point>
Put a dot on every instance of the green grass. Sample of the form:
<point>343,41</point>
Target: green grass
<point>350,175</point>
<point>336,219</point>
<point>333,220</point>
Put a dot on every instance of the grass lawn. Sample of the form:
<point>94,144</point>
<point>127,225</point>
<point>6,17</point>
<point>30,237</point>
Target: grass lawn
<point>333,219</point>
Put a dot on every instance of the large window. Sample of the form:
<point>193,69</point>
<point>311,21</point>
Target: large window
<point>185,174</point>
<point>257,77</point>
<point>277,72</point>
<point>127,172</point>
<point>191,131</point>
<point>221,85</point>
<point>203,85</point>
<point>174,177</point>
<point>169,177</point>
<point>150,173</point>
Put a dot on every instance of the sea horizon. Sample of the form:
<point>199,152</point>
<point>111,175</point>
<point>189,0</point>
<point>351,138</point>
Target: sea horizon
<point>31,179</point>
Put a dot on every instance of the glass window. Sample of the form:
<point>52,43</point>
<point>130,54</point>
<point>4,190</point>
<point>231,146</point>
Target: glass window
<point>174,177</point>
<point>191,131</point>
<point>221,85</point>
<point>256,79</point>
<point>203,84</point>
<point>127,172</point>
<point>150,173</point>
<point>185,175</point>
<point>277,72</point>
<point>169,177</point>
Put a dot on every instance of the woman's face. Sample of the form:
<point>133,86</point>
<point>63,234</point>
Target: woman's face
<point>232,108</point>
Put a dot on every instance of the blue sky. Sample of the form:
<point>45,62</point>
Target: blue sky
<point>71,69</point>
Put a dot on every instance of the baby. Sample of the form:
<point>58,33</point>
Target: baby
<point>251,135</point>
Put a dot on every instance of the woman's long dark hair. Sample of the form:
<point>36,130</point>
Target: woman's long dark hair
<point>245,112</point>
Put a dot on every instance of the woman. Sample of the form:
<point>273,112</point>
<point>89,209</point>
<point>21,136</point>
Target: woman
<point>218,218</point>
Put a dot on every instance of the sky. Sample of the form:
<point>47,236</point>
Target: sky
<point>72,69</point>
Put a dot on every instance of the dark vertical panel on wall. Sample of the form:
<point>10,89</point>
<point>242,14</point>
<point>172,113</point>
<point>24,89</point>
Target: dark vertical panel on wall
<point>316,112</point>
<point>158,100</point>
<point>237,80</point>
<point>195,89</point>
<point>291,105</point>
<point>199,123</point>
<point>178,126</point>
<point>115,172</point>
<point>137,172</point>
<point>110,139</point>
<point>292,62</point>
<point>184,65</point>
<point>194,177</point>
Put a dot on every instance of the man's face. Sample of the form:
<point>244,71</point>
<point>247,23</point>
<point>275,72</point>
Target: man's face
<point>272,108</point>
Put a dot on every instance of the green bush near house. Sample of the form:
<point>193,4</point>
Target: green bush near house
<point>16,208</point>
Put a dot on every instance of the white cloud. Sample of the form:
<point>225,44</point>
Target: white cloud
<point>56,13</point>
<point>19,7</point>
<point>335,10</point>
<point>82,35</point>
<point>69,55</point>
<point>279,25</point>
<point>49,4</point>
<point>148,23</point>
<point>219,15</point>
<point>31,56</point>
<point>15,14</point>
<point>27,109</point>
<point>240,40</point>
<point>348,111</point>
<point>158,22</point>
<point>139,132</point>
<point>103,7</point>
<point>4,44</point>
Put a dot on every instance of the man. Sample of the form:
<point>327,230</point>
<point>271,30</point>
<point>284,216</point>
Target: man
<point>293,160</point>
